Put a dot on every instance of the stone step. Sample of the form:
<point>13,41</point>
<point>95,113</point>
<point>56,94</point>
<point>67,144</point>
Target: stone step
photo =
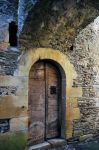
<point>52,143</point>
<point>42,146</point>
<point>57,142</point>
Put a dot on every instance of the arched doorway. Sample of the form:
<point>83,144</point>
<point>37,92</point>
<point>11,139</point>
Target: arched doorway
<point>46,112</point>
<point>68,74</point>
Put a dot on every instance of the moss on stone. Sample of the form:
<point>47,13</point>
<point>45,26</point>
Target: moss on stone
<point>78,133</point>
<point>13,141</point>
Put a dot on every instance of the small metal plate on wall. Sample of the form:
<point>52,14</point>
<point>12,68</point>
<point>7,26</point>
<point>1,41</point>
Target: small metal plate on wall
<point>53,90</point>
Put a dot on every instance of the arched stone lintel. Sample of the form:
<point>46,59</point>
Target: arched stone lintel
<point>31,56</point>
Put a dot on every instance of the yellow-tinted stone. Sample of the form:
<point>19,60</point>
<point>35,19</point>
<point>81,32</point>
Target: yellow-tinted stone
<point>19,124</point>
<point>69,129</point>
<point>13,106</point>
<point>74,103</point>
<point>76,92</point>
<point>76,113</point>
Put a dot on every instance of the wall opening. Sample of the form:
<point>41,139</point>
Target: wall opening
<point>4,125</point>
<point>13,34</point>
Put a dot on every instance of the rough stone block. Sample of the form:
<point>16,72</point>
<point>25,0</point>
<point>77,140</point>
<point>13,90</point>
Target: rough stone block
<point>19,124</point>
<point>76,92</point>
<point>13,106</point>
<point>74,102</point>
<point>69,129</point>
<point>57,142</point>
<point>76,113</point>
<point>77,133</point>
<point>14,80</point>
<point>86,137</point>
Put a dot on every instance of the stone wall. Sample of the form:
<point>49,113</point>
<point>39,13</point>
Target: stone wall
<point>86,53</point>
<point>62,26</point>
<point>13,102</point>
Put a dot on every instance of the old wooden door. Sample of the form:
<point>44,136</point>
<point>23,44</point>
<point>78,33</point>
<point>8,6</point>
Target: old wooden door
<point>43,102</point>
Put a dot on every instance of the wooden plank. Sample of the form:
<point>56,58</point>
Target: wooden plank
<point>37,111</point>
<point>52,109</point>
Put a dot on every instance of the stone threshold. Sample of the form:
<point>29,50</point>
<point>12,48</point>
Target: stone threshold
<point>52,143</point>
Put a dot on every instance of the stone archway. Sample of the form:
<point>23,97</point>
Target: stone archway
<point>27,60</point>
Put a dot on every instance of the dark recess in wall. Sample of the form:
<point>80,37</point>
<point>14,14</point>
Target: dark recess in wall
<point>13,34</point>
